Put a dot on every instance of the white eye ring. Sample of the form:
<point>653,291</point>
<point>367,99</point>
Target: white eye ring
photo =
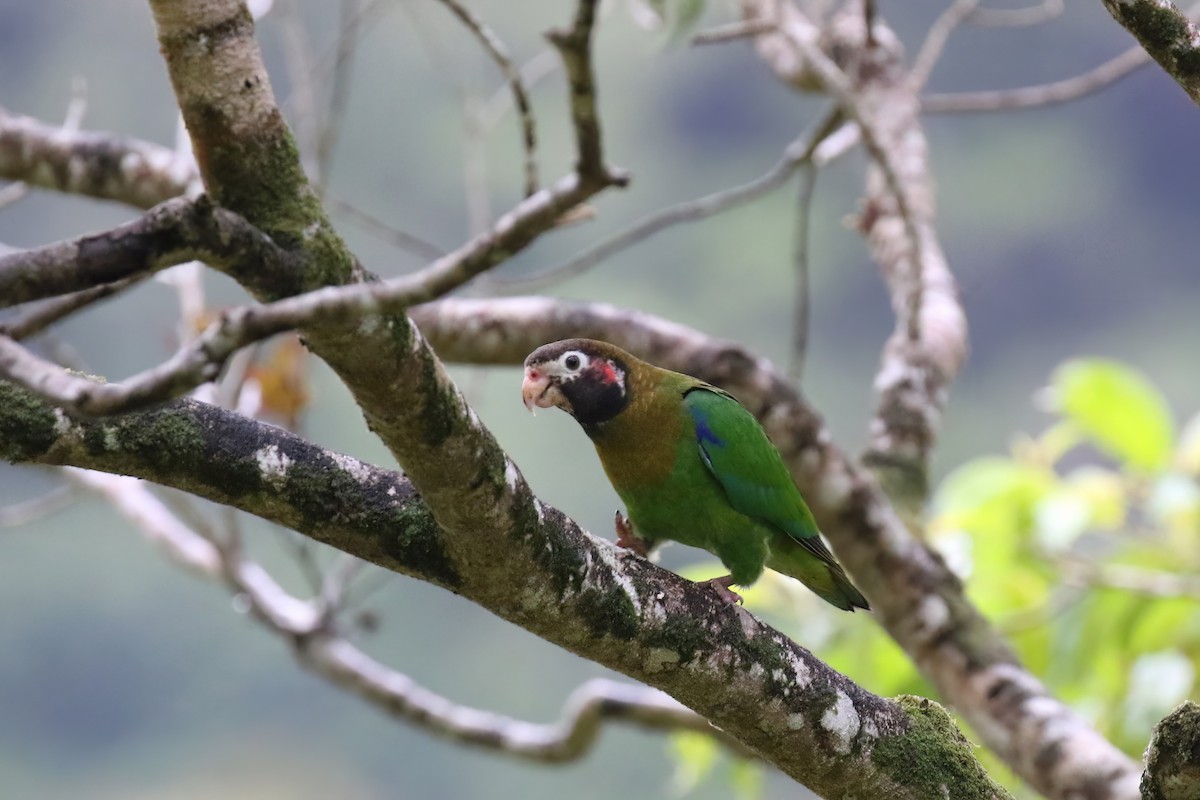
<point>573,361</point>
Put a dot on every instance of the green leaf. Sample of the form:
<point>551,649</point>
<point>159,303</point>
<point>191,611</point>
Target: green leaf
<point>1118,409</point>
<point>991,496</point>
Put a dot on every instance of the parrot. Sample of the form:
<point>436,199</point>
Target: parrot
<point>691,465</point>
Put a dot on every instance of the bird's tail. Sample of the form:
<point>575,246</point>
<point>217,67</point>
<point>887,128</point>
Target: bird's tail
<point>816,568</point>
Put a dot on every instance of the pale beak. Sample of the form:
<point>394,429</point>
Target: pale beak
<point>535,388</point>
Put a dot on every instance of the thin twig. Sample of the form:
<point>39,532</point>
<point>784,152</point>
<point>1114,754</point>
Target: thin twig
<point>297,50</point>
<point>801,151</point>
<point>1155,583</point>
<point>51,311</point>
<point>1045,94</point>
<point>803,36</point>
<point>533,72</point>
<point>733,31</point>
<point>339,89</point>
<point>935,41</point>
<point>499,54</point>
<point>1017,17</point>
<point>800,263</point>
<point>200,360</point>
<point>382,230</point>
<point>44,505</point>
<point>575,47</point>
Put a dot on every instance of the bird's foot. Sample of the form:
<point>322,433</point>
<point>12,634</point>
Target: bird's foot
<point>627,539</point>
<point>721,587</point>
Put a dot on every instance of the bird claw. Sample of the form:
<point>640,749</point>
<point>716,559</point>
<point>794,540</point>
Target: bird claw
<point>721,587</point>
<point>627,539</point>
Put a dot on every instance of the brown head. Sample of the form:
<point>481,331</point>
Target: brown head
<point>586,378</point>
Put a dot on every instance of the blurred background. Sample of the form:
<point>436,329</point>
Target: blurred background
<point>1070,228</point>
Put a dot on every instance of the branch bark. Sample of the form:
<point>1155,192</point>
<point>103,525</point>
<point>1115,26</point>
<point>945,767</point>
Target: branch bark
<point>171,233</point>
<point>313,632</point>
<point>870,83</point>
<point>1167,35</point>
<point>917,598</point>
<point>100,165</point>
<point>536,568</point>
<point>1173,758</point>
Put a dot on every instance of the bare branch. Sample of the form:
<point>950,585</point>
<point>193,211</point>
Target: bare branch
<point>199,360</point>
<point>339,89</point>
<point>532,72</point>
<point>44,505</point>
<point>935,41</point>
<point>742,29</point>
<point>49,312</point>
<point>801,302</point>
<point>1062,91</point>
<point>76,108</point>
<point>93,164</point>
<point>822,144</point>
<point>575,47</point>
<point>1044,11</point>
<point>1168,36</point>
<point>173,232</point>
<point>928,345</point>
<point>499,54</point>
<point>388,233</point>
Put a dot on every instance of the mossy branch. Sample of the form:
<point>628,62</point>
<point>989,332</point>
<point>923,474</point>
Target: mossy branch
<point>540,571</point>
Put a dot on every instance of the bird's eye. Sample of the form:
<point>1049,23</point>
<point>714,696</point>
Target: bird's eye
<point>571,362</point>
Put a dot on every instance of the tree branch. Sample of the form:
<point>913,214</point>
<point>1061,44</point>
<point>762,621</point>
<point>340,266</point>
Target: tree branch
<point>200,359</point>
<point>1173,758</point>
<point>820,145</point>
<point>917,598</point>
<point>317,644</point>
<point>171,233</point>
<point>928,345</point>
<point>49,312</point>
<point>1168,36</point>
<point>93,164</point>
<point>499,54</point>
<point>536,568</point>
<point>1045,94</point>
<point>575,47</point>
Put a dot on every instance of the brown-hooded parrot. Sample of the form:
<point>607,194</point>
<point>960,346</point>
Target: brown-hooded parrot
<point>691,465</point>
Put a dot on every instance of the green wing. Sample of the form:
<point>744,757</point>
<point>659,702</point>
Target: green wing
<point>742,459</point>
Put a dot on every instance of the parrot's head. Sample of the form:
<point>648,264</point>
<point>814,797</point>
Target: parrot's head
<point>583,377</point>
